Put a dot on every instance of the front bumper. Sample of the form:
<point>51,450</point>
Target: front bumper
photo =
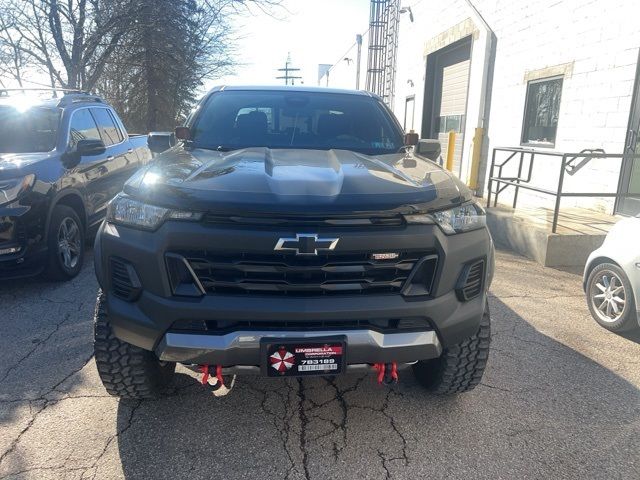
<point>147,321</point>
<point>243,348</point>
<point>23,251</point>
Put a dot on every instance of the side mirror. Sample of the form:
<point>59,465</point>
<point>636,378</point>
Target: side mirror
<point>183,133</point>
<point>90,148</point>
<point>158,142</point>
<point>411,139</point>
<point>428,148</point>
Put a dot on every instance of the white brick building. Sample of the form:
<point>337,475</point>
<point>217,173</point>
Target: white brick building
<point>575,60</point>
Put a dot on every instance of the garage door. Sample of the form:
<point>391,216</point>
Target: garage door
<point>455,84</point>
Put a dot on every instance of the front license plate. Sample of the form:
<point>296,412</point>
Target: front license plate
<point>302,358</point>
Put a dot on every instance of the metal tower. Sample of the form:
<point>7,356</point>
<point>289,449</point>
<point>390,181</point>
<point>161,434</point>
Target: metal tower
<point>384,21</point>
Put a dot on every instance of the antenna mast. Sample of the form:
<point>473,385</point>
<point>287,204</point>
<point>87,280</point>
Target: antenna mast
<point>287,69</point>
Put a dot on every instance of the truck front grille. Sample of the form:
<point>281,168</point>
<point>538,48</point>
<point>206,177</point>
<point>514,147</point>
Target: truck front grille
<point>220,327</point>
<point>288,274</point>
<point>335,221</point>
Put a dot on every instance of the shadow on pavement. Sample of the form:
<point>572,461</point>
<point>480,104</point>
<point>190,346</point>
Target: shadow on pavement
<point>543,410</point>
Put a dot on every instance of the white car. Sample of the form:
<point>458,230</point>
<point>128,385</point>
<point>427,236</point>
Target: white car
<point>612,278</point>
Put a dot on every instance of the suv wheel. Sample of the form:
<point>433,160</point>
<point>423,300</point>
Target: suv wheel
<point>610,298</point>
<point>460,367</point>
<point>127,371</point>
<point>66,244</point>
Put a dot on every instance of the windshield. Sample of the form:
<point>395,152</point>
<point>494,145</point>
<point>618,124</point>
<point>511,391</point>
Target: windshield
<point>284,119</point>
<point>31,131</point>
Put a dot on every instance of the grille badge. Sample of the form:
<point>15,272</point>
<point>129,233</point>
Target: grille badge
<point>306,244</point>
<point>385,256</point>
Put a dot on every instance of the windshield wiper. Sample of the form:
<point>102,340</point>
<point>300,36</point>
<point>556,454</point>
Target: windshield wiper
<point>217,148</point>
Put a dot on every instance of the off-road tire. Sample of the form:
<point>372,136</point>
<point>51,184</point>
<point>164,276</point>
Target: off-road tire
<point>127,371</point>
<point>460,367</point>
<point>55,269</point>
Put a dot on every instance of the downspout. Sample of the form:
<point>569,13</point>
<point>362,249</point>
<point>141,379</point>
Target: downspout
<point>480,138</point>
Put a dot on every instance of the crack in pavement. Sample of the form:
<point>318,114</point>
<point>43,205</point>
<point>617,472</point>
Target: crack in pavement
<point>304,423</point>
<point>64,468</point>
<point>282,423</point>
<point>35,347</point>
<point>46,404</point>
<point>38,344</point>
<point>541,297</point>
<point>134,408</point>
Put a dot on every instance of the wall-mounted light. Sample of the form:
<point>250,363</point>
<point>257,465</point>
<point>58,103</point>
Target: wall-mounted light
<point>407,10</point>
<point>410,83</point>
<point>348,60</point>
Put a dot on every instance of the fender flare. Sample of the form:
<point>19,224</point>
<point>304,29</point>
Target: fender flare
<point>67,192</point>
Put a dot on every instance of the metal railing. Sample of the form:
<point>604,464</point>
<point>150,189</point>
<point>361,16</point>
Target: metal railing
<point>570,164</point>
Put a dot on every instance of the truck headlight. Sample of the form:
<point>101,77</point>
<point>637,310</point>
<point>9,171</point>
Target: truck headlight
<point>456,220</point>
<point>13,188</point>
<point>124,210</point>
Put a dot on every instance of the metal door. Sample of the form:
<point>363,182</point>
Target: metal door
<point>630,181</point>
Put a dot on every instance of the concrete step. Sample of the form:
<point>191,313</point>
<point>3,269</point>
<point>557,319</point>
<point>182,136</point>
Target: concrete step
<point>528,232</point>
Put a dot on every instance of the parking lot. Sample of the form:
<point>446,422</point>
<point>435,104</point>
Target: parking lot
<point>560,399</point>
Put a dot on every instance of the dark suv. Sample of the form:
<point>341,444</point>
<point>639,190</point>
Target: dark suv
<point>61,161</point>
<point>292,233</point>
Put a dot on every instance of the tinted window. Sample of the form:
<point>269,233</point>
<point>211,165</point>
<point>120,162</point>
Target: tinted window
<point>281,119</point>
<point>83,127</point>
<point>107,126</point>
<point>541,111</point>
<point>30,131</point>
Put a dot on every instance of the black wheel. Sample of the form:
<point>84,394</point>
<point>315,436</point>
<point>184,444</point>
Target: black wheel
<point>460,367</point>
<point>66,244</point>
<point>610,298</point>
<point>127,371</point>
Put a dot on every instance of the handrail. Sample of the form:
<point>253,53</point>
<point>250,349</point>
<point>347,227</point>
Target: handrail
<point>573,169</point>
<point>569,164</point>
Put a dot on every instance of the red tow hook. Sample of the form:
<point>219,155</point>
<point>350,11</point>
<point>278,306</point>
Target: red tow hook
<point>387,372</point>
<point>216,382</point>
<point>205,373</point>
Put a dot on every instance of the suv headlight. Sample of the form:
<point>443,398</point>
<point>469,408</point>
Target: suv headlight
<point>456,220</point>
<point>124,210</point>
<point>13,188</point>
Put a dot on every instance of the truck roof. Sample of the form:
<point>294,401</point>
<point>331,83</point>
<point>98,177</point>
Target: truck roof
<point>291,88</point>
<point>34,98</point>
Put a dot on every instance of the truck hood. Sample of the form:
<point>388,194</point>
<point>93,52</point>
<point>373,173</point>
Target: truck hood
<point>12,164</point>
<point>295,181</point>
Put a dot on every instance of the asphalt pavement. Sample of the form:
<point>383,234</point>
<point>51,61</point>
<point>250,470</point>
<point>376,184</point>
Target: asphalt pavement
<point>560,399</point>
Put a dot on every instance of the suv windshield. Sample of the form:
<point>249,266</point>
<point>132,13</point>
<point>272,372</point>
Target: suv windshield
<point>31,131</point>
<point>285,119</point>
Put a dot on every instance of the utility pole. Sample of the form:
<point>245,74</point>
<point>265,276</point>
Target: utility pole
<point>287,69</point>
<point>359,42</point>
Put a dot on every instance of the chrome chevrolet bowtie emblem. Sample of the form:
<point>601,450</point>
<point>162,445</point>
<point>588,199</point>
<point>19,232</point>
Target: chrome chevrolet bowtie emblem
<point>306,244</point>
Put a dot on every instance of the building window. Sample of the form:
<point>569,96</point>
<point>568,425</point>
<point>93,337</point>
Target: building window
<point>409,113</point>
<point>450,122</point>
<point>541,111</point>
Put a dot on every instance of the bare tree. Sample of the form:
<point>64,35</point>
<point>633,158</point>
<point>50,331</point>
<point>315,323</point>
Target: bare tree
<point>71,41</point>
<point>11,56</point>
<point>148,57</point>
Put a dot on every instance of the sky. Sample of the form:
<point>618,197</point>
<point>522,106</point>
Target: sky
<point>313,31</point>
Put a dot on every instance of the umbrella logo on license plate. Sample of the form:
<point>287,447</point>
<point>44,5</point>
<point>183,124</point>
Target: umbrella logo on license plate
<point>282,360</point>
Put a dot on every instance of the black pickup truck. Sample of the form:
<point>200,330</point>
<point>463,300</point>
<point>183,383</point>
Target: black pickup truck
<point>61,161</point>
<point>292,232</point>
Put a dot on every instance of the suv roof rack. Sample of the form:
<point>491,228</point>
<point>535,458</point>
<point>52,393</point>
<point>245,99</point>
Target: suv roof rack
<point>77,97</point>
<point>5,92</point>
